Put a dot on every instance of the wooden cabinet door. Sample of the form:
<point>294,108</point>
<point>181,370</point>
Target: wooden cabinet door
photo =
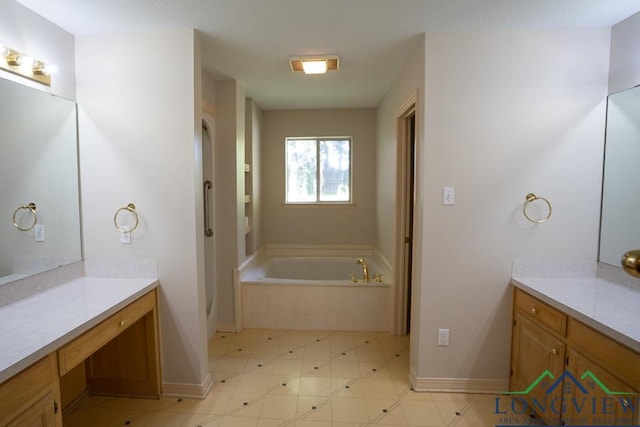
<point>41,414</point>
<point>601,404</point>
<point>534,353</point>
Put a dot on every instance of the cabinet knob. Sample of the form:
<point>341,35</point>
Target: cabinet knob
<point>533,310</point>
<point>625,402</point>
<point>121,324</point>
<point>554,351</point>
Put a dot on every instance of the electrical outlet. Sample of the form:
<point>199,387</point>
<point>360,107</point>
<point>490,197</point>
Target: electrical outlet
<point>39,232</point>
<point>443,337</point>
<point>125,235</point>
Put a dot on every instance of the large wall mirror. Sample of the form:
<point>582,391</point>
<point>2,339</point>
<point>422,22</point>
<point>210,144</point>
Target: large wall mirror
<point>38,166</point>
<point>619,229</point>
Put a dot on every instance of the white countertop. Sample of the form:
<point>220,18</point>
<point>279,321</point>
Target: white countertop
<point>35,326</point>
<point>611,309</point>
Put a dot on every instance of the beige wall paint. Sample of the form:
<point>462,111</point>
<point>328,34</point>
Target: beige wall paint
<point>506,113</point>
<point>138,134</point>
<point>339,226</point>
<point>624,71</point>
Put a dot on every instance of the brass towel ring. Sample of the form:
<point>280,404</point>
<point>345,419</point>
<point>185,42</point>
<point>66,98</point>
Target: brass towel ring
<point>129,208</point>
<point>531,198</point>
<point>31,207</point>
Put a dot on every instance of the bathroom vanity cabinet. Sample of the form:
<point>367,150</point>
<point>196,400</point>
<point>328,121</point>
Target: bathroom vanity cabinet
<point>116,354</point>
<point>593,379</point>
<point>120,355</point>
<point>32,397</point>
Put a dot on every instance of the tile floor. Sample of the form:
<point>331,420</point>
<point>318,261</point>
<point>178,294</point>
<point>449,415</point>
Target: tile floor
<point>301,378</point>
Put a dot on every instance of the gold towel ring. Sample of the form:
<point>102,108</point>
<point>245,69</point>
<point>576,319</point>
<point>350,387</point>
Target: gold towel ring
<point>129,208</point>
<point>31,207</point>
<point>531,198</point>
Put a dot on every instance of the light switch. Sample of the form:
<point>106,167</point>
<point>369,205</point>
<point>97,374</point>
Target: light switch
<point>448,196</point>
<point>443,337</point>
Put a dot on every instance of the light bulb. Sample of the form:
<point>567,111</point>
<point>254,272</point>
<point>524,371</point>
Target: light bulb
<point>317,66</point>
<point>26,61</point>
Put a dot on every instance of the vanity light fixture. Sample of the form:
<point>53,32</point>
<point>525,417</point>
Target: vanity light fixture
<point>26,66</point>
<point>315,64</point>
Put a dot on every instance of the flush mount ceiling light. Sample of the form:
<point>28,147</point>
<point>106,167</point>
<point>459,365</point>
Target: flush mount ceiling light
<point>23,65</point>
<point>315,64</point>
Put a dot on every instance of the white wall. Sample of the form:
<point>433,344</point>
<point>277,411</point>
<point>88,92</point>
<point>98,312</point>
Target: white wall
<point>506,113</point>
<point>409,80</point>
<point>319,225</point>
<point>29,33</point>
<point>139,119</point>
<point>253,137</point>
<point>624,71</point>
<point>229,199</point>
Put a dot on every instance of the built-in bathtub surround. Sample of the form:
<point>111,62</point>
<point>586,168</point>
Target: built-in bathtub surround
<point>315,288</point>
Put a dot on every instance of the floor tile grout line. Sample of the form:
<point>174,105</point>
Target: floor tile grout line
<point>333,393</point>
<point>350,381</point>
<point>355,380</point>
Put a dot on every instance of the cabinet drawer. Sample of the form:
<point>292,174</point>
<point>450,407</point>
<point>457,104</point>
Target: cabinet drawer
<point>615,358</point>
<point>88,343</point>
<point>540,312</point>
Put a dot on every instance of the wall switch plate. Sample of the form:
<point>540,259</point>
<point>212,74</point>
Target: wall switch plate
<point>443,337</point>
<point>448,196</point>
<point>125,236</point>
<point>39,232</point>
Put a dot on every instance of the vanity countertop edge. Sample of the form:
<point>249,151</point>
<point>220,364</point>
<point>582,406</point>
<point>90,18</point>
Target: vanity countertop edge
<point>40,324</point>
<point>609,308</point>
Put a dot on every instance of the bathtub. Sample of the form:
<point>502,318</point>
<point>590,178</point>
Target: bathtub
<point>314,293</point>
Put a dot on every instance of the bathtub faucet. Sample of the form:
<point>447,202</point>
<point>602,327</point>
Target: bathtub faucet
<point>365,269</point>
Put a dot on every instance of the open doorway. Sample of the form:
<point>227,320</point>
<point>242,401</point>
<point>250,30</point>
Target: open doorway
<point>406,189</point>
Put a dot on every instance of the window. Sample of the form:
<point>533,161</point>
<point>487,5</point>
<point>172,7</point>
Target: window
<point>318,170</point>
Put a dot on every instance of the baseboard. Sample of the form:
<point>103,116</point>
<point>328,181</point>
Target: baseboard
<point>194,391</point>
<point>458,385</point>
<point>226,327</point>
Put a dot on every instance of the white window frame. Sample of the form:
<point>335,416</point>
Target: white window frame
<point>318,202</point>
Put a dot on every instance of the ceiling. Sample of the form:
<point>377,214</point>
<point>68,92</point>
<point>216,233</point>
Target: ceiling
<point>251,40</point>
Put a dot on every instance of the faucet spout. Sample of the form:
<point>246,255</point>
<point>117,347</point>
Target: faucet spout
<point>365,269</point>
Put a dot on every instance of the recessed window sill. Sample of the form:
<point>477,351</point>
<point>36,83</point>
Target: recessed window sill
<point>345,205</point>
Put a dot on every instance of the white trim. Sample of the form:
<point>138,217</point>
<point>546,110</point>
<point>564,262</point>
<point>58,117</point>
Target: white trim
<point>458,385</point>
<point>318,250</point>
<point>197,391</point>
<point>226,327</point>
<point>237,308</point>
<point>399,296</point>
<point>320,205</point>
